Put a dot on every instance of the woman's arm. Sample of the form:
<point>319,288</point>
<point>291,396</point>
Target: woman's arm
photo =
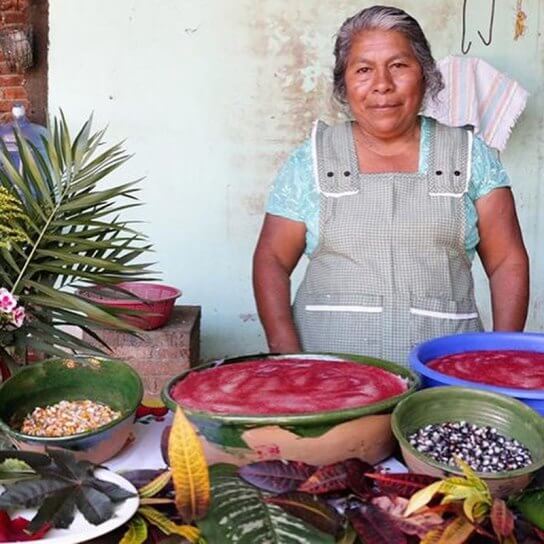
<point>504,258</point>
<point>278,250</point>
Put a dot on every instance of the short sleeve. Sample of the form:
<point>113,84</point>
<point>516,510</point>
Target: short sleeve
<point>291,195</point>
<point>488,172</point>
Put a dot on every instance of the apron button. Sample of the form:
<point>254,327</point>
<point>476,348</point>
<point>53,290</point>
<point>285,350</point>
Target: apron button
<point>347,173</point>
<point>457,173</point>
<point>330,174</point>
<point>439,172</point>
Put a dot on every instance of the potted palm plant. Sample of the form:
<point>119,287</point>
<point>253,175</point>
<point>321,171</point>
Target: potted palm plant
<point>61,228</point>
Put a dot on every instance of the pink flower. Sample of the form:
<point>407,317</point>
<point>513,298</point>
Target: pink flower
<point>7,301</point>
<point>18,316</point>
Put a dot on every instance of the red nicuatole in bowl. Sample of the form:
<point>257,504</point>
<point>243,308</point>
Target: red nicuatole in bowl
<point>310,407</point>
<point>511,363</point>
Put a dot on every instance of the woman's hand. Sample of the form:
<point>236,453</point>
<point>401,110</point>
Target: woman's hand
<point>278,250</point>
<point>504,258</point>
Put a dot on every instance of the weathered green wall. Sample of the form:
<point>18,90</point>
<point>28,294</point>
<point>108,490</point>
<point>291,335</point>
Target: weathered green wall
<point>211,96</point>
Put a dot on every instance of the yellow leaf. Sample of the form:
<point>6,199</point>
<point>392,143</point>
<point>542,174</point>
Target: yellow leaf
<point>189,469</point>
<point>155,485</point>
<point>478,483</point>
<point>457,532</point>
<point>471,507</point>
<point>167,526</point>
<point>136,533</point>
<point>433,536</point>
<point>421,498</point>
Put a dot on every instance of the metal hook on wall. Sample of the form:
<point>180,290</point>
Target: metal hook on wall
<point>490,31</point>
<point>465,47</point>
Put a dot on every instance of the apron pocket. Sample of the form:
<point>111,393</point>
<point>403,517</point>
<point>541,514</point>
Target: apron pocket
<point>432,317</point>
<point>343,322</point>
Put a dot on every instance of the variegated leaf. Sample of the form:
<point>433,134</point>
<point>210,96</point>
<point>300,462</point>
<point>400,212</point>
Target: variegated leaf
<point>156,485</point>
<point>189,469</point>
<point>240,514</point>
<point>421,498</point>
<point>136,533</point>
<point>457,532</point>
<point>167,526</point>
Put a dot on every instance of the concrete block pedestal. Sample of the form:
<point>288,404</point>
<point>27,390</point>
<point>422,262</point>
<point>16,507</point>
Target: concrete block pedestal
<point>159,354</point>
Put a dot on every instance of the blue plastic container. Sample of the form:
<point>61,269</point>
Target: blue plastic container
<point>459,343</point>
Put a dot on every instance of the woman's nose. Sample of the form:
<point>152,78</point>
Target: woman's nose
<point>383,81</point>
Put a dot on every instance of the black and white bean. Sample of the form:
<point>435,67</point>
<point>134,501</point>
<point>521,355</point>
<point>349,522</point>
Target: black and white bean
<point>482,447</point>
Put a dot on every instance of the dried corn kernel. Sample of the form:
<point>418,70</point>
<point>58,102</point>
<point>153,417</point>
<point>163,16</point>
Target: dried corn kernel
<point>66,418</point>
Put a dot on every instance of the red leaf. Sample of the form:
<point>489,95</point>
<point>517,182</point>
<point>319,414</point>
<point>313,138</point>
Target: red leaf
<point>539,533</point>
<point>326,478</point>
<point>375,526</point>
<point>403,484</point>
<point>502,518</point>
<point>356,478</point>
<point>276,476</point>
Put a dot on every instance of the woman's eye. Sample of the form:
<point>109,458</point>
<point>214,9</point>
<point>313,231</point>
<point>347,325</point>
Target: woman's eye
<point>363,70</point>
<point>399,65</point>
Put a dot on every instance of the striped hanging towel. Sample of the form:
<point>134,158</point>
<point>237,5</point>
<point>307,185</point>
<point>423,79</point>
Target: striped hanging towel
<point>477,94</point>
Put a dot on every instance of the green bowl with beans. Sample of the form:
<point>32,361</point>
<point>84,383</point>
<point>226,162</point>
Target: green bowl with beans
<point>107,383</point>
<point>439,405</point>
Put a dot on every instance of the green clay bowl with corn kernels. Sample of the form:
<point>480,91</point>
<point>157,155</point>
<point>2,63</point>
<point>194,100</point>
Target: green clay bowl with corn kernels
<point>97,379</point>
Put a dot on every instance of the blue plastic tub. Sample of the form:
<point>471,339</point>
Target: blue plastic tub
<point>459,343</point>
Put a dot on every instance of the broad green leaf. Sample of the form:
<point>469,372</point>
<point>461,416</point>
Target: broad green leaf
<point>136,532</point>
<point>167,526</point>
<point>189,469</point>
<point>239,514</point>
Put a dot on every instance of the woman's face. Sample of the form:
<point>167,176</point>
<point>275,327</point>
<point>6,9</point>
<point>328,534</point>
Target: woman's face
<point>384,83</point>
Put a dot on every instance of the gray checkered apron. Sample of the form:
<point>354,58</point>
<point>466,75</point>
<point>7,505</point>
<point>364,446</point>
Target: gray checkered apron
<point>390,269</point>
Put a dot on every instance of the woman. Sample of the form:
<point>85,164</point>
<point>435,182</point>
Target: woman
<point>389,208</point>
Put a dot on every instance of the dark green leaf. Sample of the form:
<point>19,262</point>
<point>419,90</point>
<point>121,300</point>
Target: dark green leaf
<point>31,493</point>
<point>59,511</point>
<point>113,491</point>
<point>32,459</point>
<point>95,506</point>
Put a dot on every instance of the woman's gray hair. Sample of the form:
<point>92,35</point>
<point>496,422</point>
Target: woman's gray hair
<point>384,18</point>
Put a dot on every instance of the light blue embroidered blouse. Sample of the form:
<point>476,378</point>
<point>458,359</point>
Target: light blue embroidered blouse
<point>294,194</point>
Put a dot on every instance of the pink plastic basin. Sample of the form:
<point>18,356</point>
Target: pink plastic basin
<point>154,300</point>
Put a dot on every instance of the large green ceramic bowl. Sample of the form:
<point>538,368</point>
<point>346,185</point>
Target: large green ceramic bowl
<point>108,381</point>
<point>315,438</point>
<point>509,416</point>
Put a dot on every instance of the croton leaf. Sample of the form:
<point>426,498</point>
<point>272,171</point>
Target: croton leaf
<point>189,469</point>
<point>156,485</point>
<point>167,526</point>
<point>140,478</point>
<point>136,532</point>
<point>95,506</point>
<point>325,479</point>
<point>530,503</point>
<point>311,509</point>
<point>239,513</point>
<point>276,476</point>
<point>422,497</point>
<point>374,526</point>
<point>403,484</point>
<point>165,437</point>
<point>356,477</point>
<point>457,531</point>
